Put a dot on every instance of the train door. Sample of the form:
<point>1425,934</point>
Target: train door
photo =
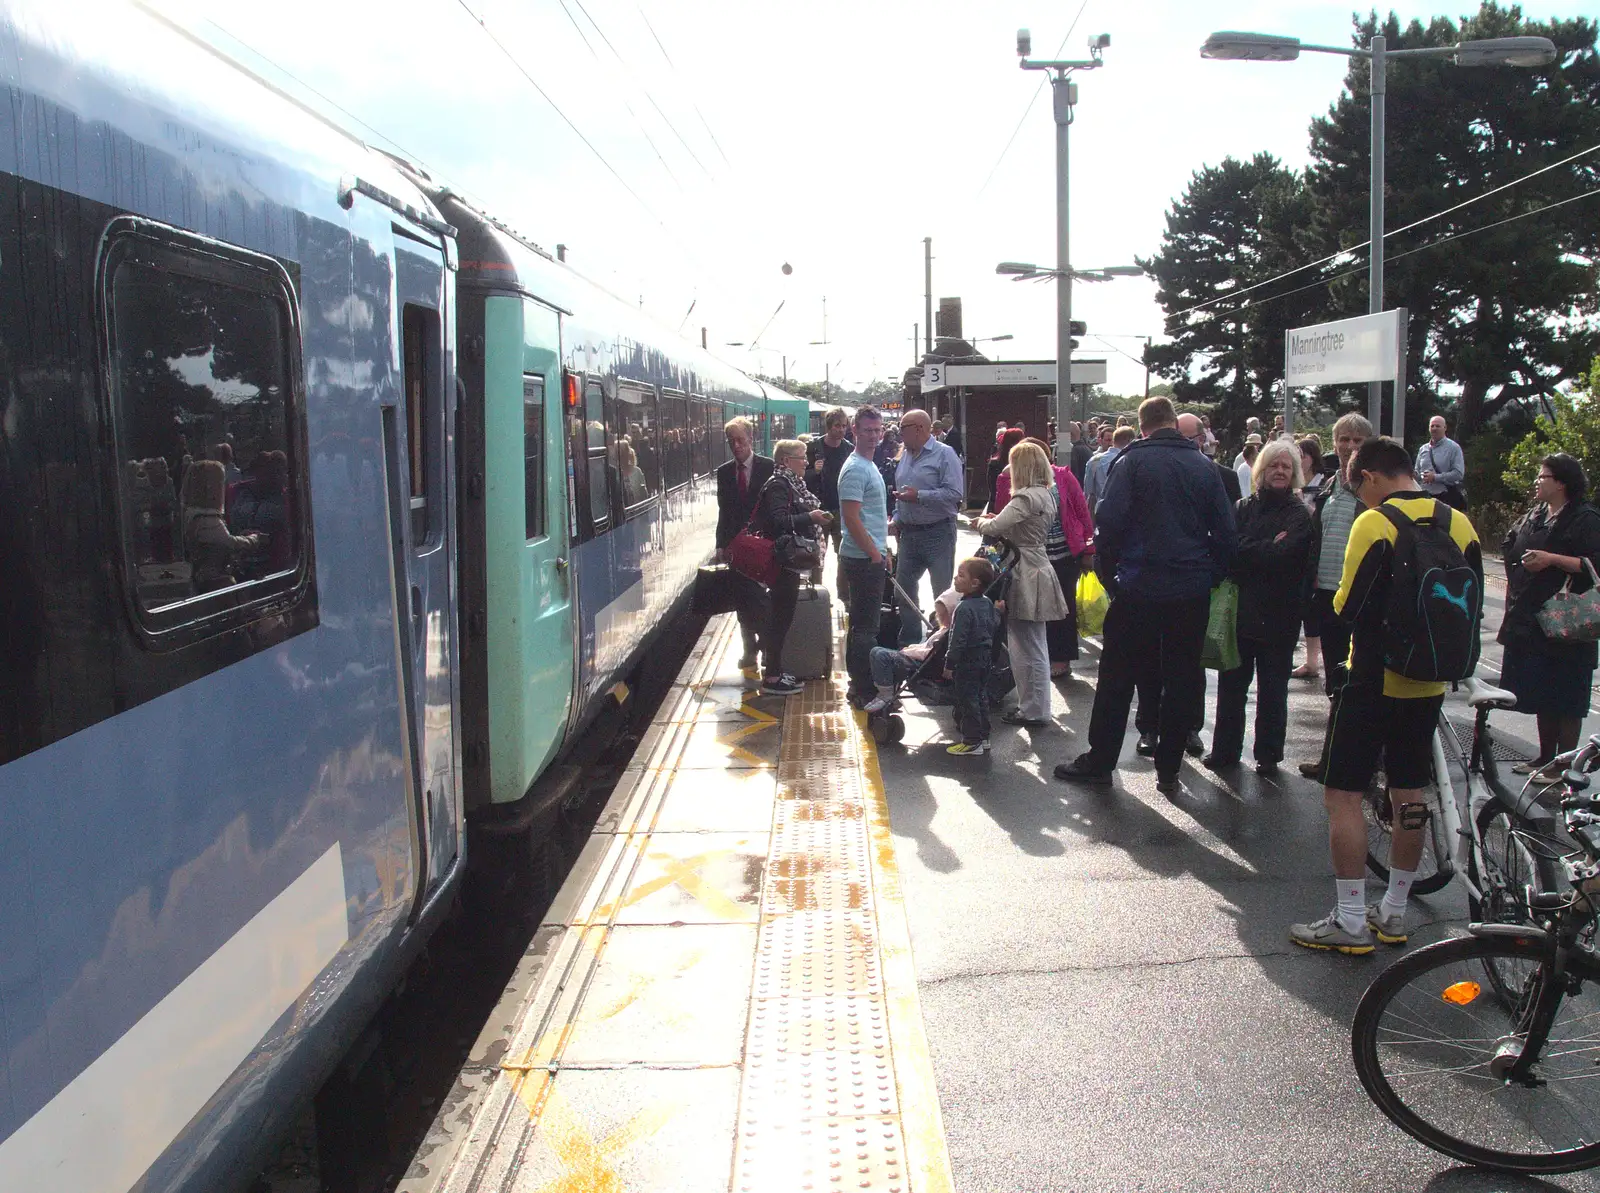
<point>417,445</point>
<point>550,677</point>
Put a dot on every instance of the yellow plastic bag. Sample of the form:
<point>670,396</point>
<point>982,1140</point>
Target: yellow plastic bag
<point>1092,604</point>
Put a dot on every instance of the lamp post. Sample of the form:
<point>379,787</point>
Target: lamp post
<point>1023,271</point>
<point>1064,94</point>
<point>1267,47</point>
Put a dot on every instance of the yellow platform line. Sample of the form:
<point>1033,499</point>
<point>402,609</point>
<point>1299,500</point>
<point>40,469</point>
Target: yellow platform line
<point>927,1154</point>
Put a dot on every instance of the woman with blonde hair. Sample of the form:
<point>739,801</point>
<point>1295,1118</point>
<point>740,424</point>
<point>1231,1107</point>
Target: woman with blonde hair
<point>1268,566</point>
<point>1034,597</point>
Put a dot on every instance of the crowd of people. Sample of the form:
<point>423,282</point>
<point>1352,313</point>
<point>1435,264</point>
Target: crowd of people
<point>1315,545</point>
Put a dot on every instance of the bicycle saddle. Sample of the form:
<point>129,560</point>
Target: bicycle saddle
<point>1481,695</point>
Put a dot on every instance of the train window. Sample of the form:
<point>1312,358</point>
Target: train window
<point>599,490</point>
<point>424,386</point>
<point>719,441</point>
<point>533,456</point>
<point>206,415</point>
<point>638,464</point>
<point>675,438</point>
<point>710,432</point>
<point>698,457</point>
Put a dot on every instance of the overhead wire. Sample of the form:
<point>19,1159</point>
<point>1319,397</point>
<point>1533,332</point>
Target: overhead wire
<point>555,107</point>
<point>1355,248</point>
<point>704,123</point>
<point>1031,101</point>
<point>629,70</point>
<point>644,132</point>
<point>1432,244</point>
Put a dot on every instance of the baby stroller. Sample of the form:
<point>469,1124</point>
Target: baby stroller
<point>926,683</point>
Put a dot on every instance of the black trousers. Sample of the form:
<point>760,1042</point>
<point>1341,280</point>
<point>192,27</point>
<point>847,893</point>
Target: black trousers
<point>1061,637</point>
<point>782,597</point>
<point>1270,664</point>
<point>1335,637</point>
<point>866,581</point>
<point>1159,642</point>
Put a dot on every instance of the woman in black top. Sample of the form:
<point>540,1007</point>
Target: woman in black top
<point>787,513</point>
<point>1542,553</point>
<point>1268,566</point>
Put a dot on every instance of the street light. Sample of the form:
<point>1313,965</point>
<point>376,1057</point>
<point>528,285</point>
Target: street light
<point>990,339</point>
<point>1021,271</point>
<point>1232,46</point>
<point>1065,96</point>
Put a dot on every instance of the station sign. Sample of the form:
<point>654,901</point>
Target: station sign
<point>1023,372</point>
<point>1350,350</point>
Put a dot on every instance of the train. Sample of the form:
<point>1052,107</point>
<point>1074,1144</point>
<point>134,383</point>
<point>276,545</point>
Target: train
<point>332,512</point>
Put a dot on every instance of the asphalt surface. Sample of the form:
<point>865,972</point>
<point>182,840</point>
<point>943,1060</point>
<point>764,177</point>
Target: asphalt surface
<point>1110,995</point>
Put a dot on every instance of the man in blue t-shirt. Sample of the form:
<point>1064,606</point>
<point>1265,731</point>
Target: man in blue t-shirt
<point>864,508</point>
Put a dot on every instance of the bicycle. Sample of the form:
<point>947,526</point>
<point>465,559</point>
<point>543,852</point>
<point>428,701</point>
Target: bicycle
<point>1479,833</point>
<point>1506,1079</point>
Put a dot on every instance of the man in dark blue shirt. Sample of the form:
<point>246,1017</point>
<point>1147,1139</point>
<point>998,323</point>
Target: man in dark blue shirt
<point>1163,537</point>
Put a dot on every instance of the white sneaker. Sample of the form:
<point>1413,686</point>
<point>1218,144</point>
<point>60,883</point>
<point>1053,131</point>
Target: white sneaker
<point>877,704</point>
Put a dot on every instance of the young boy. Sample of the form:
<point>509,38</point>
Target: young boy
<point>967,660</point>
<point>891,667</point>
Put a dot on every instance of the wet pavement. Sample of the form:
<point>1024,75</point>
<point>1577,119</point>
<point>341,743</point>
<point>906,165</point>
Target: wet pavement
<point>1108,989</point>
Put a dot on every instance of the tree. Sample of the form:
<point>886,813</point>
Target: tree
<point>1575,429</point>
<point>1505,312</point>
<point>1235,226</point>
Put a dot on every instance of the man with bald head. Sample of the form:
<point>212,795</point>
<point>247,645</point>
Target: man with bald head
<point>1192,429</point>
<point>928,487</point>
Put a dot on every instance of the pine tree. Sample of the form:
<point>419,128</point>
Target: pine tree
<point>1503,313</point>
<point>1235,226</point>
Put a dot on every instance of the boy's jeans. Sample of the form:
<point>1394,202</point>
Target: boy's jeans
<point>972,699</point>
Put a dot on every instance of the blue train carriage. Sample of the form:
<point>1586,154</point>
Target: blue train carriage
<point>229,779</point>
<point>589,436</point>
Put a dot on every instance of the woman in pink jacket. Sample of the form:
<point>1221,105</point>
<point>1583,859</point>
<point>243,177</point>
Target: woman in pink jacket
<point>1066,551</point>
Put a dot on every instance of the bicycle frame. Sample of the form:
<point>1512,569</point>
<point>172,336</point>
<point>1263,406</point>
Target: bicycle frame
<point>1465,856</point>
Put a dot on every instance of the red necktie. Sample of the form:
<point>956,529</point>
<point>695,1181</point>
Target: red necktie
<point>744,482</point>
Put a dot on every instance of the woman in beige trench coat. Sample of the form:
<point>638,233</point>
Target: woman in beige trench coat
<point>1035,596</point>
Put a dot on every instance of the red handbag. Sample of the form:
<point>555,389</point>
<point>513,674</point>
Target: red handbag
<point>751,555</point>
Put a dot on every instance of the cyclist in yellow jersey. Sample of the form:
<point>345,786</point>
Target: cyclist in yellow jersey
<point>1377,713</point>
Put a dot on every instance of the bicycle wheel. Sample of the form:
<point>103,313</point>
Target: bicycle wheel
<point>1510,867</point>
<point>1429,1042</point>
<point>1432,874</point>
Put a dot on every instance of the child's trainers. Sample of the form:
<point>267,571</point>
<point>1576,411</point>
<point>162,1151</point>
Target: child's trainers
<point>965,749</point>
<point>877,704</point>
<point>781,685</point>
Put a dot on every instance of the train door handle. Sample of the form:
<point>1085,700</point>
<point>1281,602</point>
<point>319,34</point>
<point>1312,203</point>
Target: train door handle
<point>561,564</point>
<point>416,609</point>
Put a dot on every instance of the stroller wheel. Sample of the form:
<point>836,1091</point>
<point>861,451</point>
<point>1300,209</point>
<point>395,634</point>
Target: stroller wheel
<point>882,729</point>
<point>897,728</point>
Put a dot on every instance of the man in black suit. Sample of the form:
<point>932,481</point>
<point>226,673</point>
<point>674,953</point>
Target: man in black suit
<point>738,483</point>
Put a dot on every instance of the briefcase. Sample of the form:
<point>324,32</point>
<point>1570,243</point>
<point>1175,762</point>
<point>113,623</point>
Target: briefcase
<point>808,650</point>
<point>720,589</point>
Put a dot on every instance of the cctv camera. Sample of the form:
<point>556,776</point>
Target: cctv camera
<point>1100,41</point>
<point>1024,43</point>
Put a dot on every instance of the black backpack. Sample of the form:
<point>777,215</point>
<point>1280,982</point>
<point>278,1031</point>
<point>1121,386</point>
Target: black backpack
<point>1435,600</point>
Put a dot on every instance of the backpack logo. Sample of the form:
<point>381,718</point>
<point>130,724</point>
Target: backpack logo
<point>1440,592</point>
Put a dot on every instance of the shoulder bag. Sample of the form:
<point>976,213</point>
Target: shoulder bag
<point>1573,616</point>
<point>751,555</point>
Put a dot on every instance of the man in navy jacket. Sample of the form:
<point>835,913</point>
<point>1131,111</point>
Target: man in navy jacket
<point>1164,536</point>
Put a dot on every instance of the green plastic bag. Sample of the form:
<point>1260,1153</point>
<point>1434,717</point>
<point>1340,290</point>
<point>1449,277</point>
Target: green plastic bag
<point>1221,651</point>
<point>1093,601</point>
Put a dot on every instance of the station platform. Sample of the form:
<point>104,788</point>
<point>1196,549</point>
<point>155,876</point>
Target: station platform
<point>722,995</point>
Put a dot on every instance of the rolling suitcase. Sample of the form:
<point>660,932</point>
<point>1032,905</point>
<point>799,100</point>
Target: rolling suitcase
<point>808,650</point>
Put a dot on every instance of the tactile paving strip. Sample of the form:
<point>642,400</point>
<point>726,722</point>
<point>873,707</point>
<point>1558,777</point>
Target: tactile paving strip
<point>818,953</point>
<point>820,1103</point>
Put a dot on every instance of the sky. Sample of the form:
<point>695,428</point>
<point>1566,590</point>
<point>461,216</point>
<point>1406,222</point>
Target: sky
<point>684,152</point>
